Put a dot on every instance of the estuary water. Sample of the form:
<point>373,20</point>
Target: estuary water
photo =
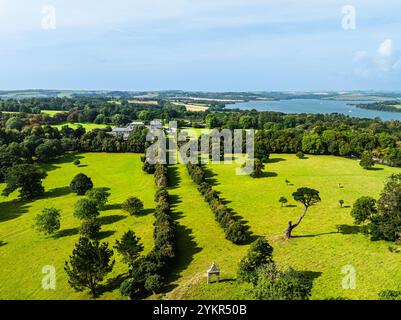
<point>316,106</point>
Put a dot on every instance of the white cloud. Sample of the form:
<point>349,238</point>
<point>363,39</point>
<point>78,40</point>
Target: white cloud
<point>360,55</point>
<point>386,48</point>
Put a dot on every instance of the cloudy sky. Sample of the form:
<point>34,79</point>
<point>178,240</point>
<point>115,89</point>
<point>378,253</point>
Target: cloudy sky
<point>210,45</point>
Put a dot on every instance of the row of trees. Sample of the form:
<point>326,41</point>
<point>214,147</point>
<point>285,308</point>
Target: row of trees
<point>147,273</point>
<point>234,229</point>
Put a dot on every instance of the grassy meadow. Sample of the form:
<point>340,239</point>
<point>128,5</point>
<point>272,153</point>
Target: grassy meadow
<point>24,251</point>
<point>87,126</point>
<point>325,241</point>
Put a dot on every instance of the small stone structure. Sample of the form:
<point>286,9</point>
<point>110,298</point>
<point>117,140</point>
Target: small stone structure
<point>213,270</point>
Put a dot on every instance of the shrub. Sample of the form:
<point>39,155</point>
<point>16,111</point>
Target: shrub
<point>154,283</point>
<point>99,195</point>
<point>259,254</point>
<point>48,221</point>
<point>90,228</point>
<point>390,295</point>
<point>77,162</point>
<point>236,232</point>
<point>133,205</point>
<point>86,209</point>
<point>80,184</point>
<point>300,155</point>
<point>161,194</point>
<point>275,284</point>
<point>129,247</point>
<point>148,168</point>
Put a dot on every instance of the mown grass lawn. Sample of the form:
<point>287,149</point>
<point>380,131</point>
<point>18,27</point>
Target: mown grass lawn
<point>318,248</point>
<point>87,126</point>
<point>24,251</point>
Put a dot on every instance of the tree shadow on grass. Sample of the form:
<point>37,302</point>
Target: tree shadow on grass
<point>104,234</point>
<point>315,235</point>
<point>268,174</point>
<point>210,176</point>
<point>275,160</point>
<point>105,220</point>
<point>2,243</point>
<point>69,158</point>
<point>310,275</point>
<point>114,206</point>
<point>144,212</point>
<point>113,283</point>
<point>375,169</point>
<point>13,209</point>
<point>186,248</point>
<point>58,192</point>
<point>173,177</point>
<point>66,233</point>
<point>347,229</point>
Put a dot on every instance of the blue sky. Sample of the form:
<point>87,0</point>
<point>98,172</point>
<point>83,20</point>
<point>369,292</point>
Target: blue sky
<point>213,45</point>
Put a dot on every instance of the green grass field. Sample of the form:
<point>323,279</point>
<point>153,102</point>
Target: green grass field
<point>25,251</point>
<point>318,247</point>
<point>87,126</point>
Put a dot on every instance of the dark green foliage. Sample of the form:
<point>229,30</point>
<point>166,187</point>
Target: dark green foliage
<point>236,232</point>
<point>26,177</point>
<point>154,283</point>
<point>364,209</point>
<point>390,295</point>
<point>86,209</point>
<point>99,195</point>
<point>283,201</point>
<point>275,284</point>
<point>161,195</point>
<point>80,184</point>
<point>367,161</point>
<point>89,263</point>
<point>129,247</point>
<point>148,168</point>
<point>258,168</point>
<point>259,254</point>
<point>341,202</point>
<point>90,228</point>
<point>196,173</point>
<point>77,162</point>
<point>132,205</point>
<point>300,155</point>
<point>382,219</point>
<point>146,272</point>
<point>48,221</point>
<point>48,150</point>
<point>307,196</point>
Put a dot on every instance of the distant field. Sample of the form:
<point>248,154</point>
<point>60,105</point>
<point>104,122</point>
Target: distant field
<point>193,106</point>
<point>87,126</point>
<point>145,102</point>
<point>51,112</point>
<point>25,251</point>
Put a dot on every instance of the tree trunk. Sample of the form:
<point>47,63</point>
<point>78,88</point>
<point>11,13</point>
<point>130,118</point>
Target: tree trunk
<point>293,226</point>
